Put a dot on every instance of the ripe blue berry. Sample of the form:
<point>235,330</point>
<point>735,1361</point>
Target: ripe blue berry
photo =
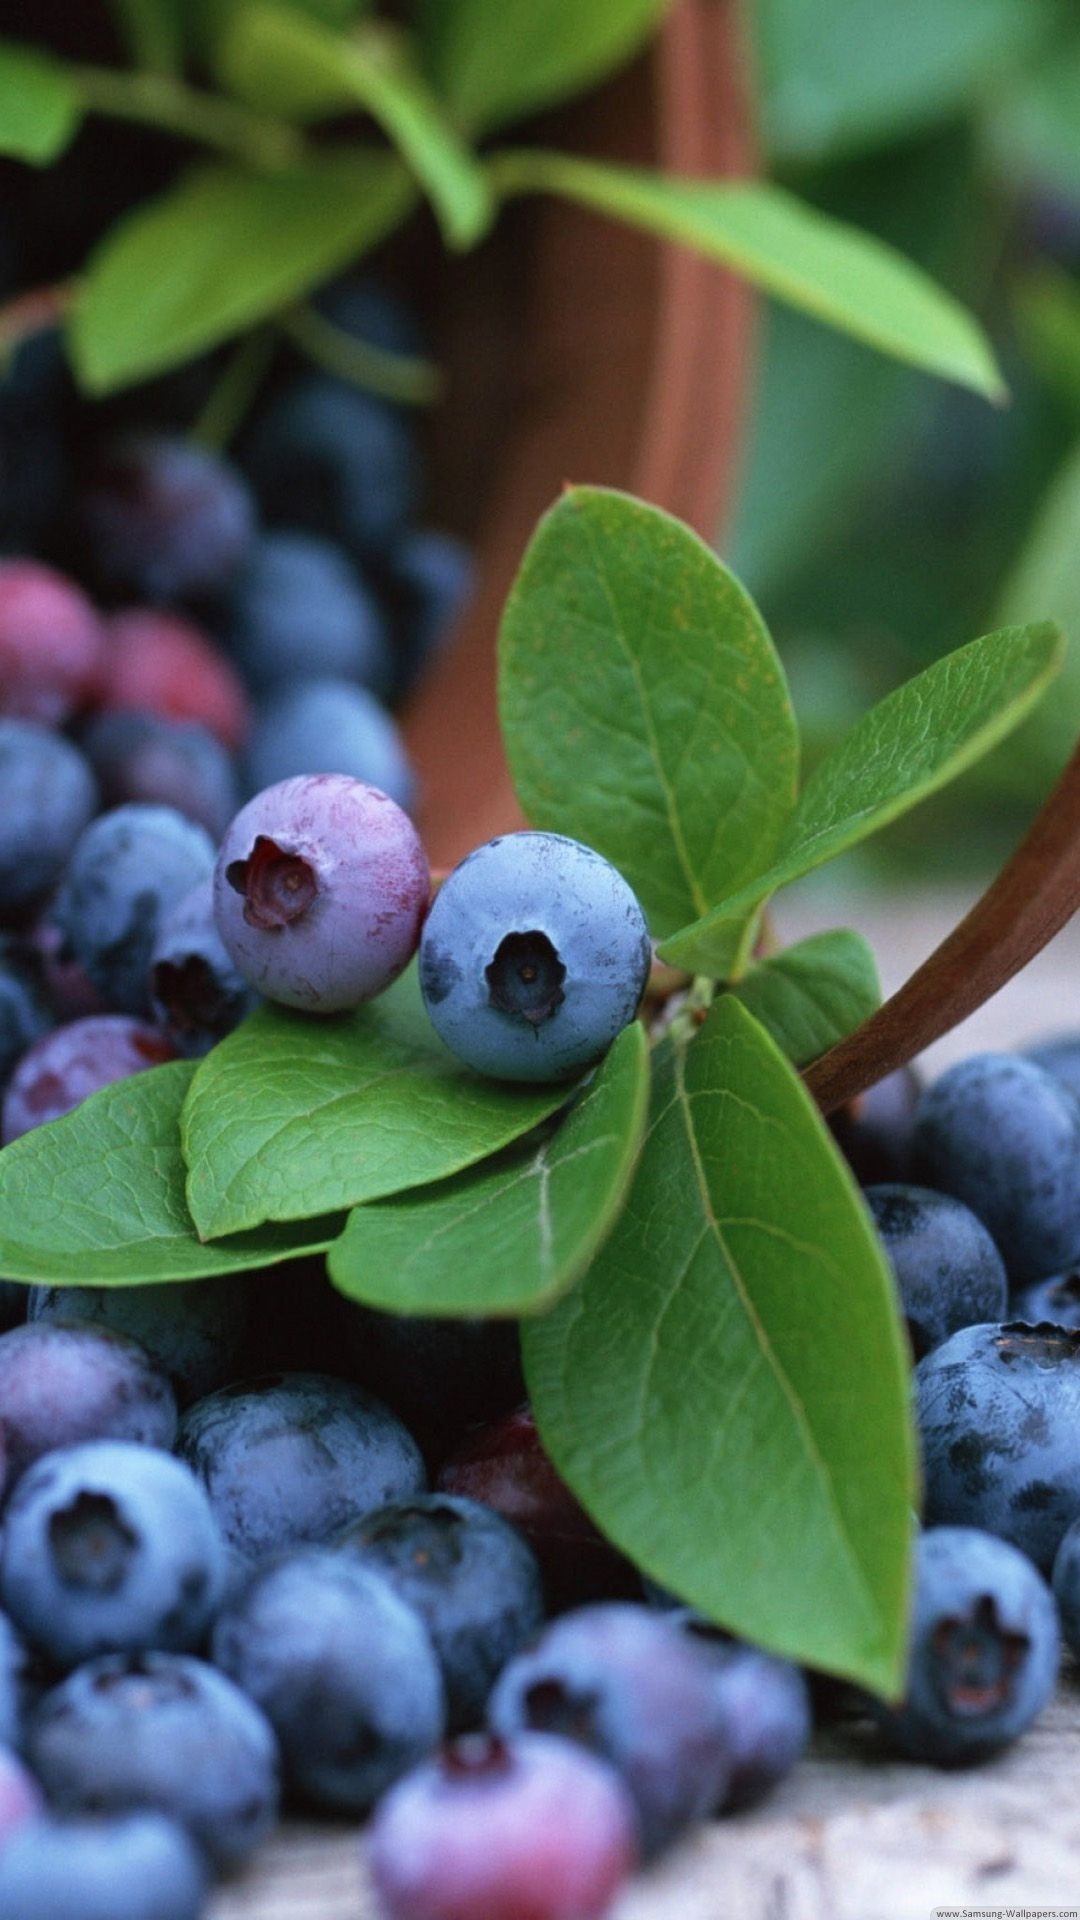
<point>874,1131</point>
<point>984,1650</point>
<point>150,761</point>
<point>195,1331</point>
<point>128,870</point>
<point>999,1418</point>
<point>50,796</point>
<point>534,957</point>
<point>1066,1585</point>
<point>65,1067</point>
<point>163,1731</point>
<point>166,520</point>
<point>300,609</point>
<point>469,1575</point>
<point>289,1458</point>
<point>196,991</point>
<point>60,1384</point>
<point>335,461</point>
<point>139,1867</point>
<point>110,1547</point>
<point>51,646</point>
<point>1056,1300</point>
<point>15,1671</point>
<point>631,1686</point>
<point>319,893</point>
<point>343,1669</point>
<point>526,1829</point>
<point>20,1798</point>
<point>431,577</point>
<point>947,1268</point>
<point>1059,1056</point>
<point>765,1706</point>
<point>1003,1136</point>
<point>328,726</point>
<point>24,1013</point>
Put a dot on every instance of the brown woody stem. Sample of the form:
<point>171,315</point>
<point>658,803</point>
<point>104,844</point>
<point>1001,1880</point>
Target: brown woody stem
<point>1034,895</point>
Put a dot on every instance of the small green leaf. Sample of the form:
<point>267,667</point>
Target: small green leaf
<point>40,112</point>
<point>910,744</point>
<point>513,1234</point>
<point>643,706</point>
<point>98,1197</point>
<point>826,268</point>
<point>293,1116</point>
<point>208,21</point>
<point>495,60</point>
<point>727,1389</point>
<point>222,250</point>
<point>282,63</point>
<point>813,993</point>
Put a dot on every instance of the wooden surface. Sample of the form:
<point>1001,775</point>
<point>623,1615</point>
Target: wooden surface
<point>850,1836</point>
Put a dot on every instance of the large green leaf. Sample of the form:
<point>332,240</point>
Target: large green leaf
<point>909,745</point>
<point>1034,129</point>
<point>643,706</point>
<point>495,60</point>
<point>843,76</point>
<point>292,1116</point>
<point>727,1389</point>
<point>1046,577</point>
<point>39,105</point>
<point>846,278</point>
<point>208,21</point>
<point>511,1235</point>
<point>813,993</point>
<point>98,1197</point>
<point>283,63</point>
<point>222,250</point>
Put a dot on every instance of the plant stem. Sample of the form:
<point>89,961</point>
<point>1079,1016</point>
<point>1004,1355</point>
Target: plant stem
<point>234,391</point>
<point>150,30</point>
<point>394,376</point>
<point>156,100</point>
<point>1033,896</point>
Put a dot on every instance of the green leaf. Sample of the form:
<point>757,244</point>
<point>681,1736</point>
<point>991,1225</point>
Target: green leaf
<point>98,1197</point>
<point>1046,304</point>
<point>727,1389</point>
<point>220,251</point>
<point>40,112</point>
<point>846,76</point>
<point>1046,576</point>
<point>281,63</point>
<point>1033,132</point>
<point>826,268</point>
<point>153,31</point>
<point>209,21</point>
<point>292,1116</point>
<point>643,707</point>
<point>515,1233</point>
<point>495,60</point>
<point>813,993</point>
<point>910,744</point>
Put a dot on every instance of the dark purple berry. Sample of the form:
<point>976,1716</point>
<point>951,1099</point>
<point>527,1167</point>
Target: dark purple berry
<point>66,1066</point>
<point>166,520</point>
<point>62,1384</point>
<point>157,663</point>
<point>50,797</point>
<point>142,759</point>
<point>196,990</point>
<point>51,646</point>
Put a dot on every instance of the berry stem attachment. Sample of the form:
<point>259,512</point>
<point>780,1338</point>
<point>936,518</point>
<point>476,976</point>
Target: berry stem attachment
<point>1031,899</point>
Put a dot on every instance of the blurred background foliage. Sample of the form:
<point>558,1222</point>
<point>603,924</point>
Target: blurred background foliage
<point>883,518</point>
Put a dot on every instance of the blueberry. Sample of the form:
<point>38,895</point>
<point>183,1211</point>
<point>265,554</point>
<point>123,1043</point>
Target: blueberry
<point>469,1575</point>
<point>196,991</point>
<point>141,758</point>
<point>1056,1300</point>
<point>128,870</point>
<point>874,1132</point>
<point>301,610</point>
<point>166,520</point>
<point>157,663</point>
<point>983,1654</point>
<point>110,1547</point>
<point>765,1706</point>
<point>1066,1585</point>
<point>999,1417</point>
<point>60,1384</point>
<point>370,311</point>
<point>343,1670</point>
<point>290,1458</point>
<point>504,1466</point>
<point>1059,1056</point>
<point>51,647</point>
<point>947,1268</point>
<point>628,1684</point>
<point>20,1799</point>
<point>1001,1134</point>
<point>431,577</point>
<point>64,1068</point>
<point>141,1867</point>
<point>328,726</point>
<point>194,1330</point>
<point>525,1829</point>
<point>163,1731</point>
<point>15,1683</point>
<point>319,893</point>
<point>439,1375</point>
<point>50,796</point>
<point>24,1013</point>
<point>534,957</point>
<point>331,460</point>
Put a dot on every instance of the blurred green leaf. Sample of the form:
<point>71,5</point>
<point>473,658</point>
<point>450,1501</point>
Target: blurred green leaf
<point>643,707</point>
<point>841,76</point>
<point>274,59</point>
<point>1047,576</point>
<point>813,993</point>
<point>40,111</point>
<point>154,33</point>
<point>910,744</point>
<point>221,250</point>
<point>848,279</point>
<point>1046,305</point>
<point>209,20</point>
<point>495,60</point>
<point>1033,132</point>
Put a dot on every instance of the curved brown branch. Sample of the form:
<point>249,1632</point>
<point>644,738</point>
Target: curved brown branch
<point>1034,895</point>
